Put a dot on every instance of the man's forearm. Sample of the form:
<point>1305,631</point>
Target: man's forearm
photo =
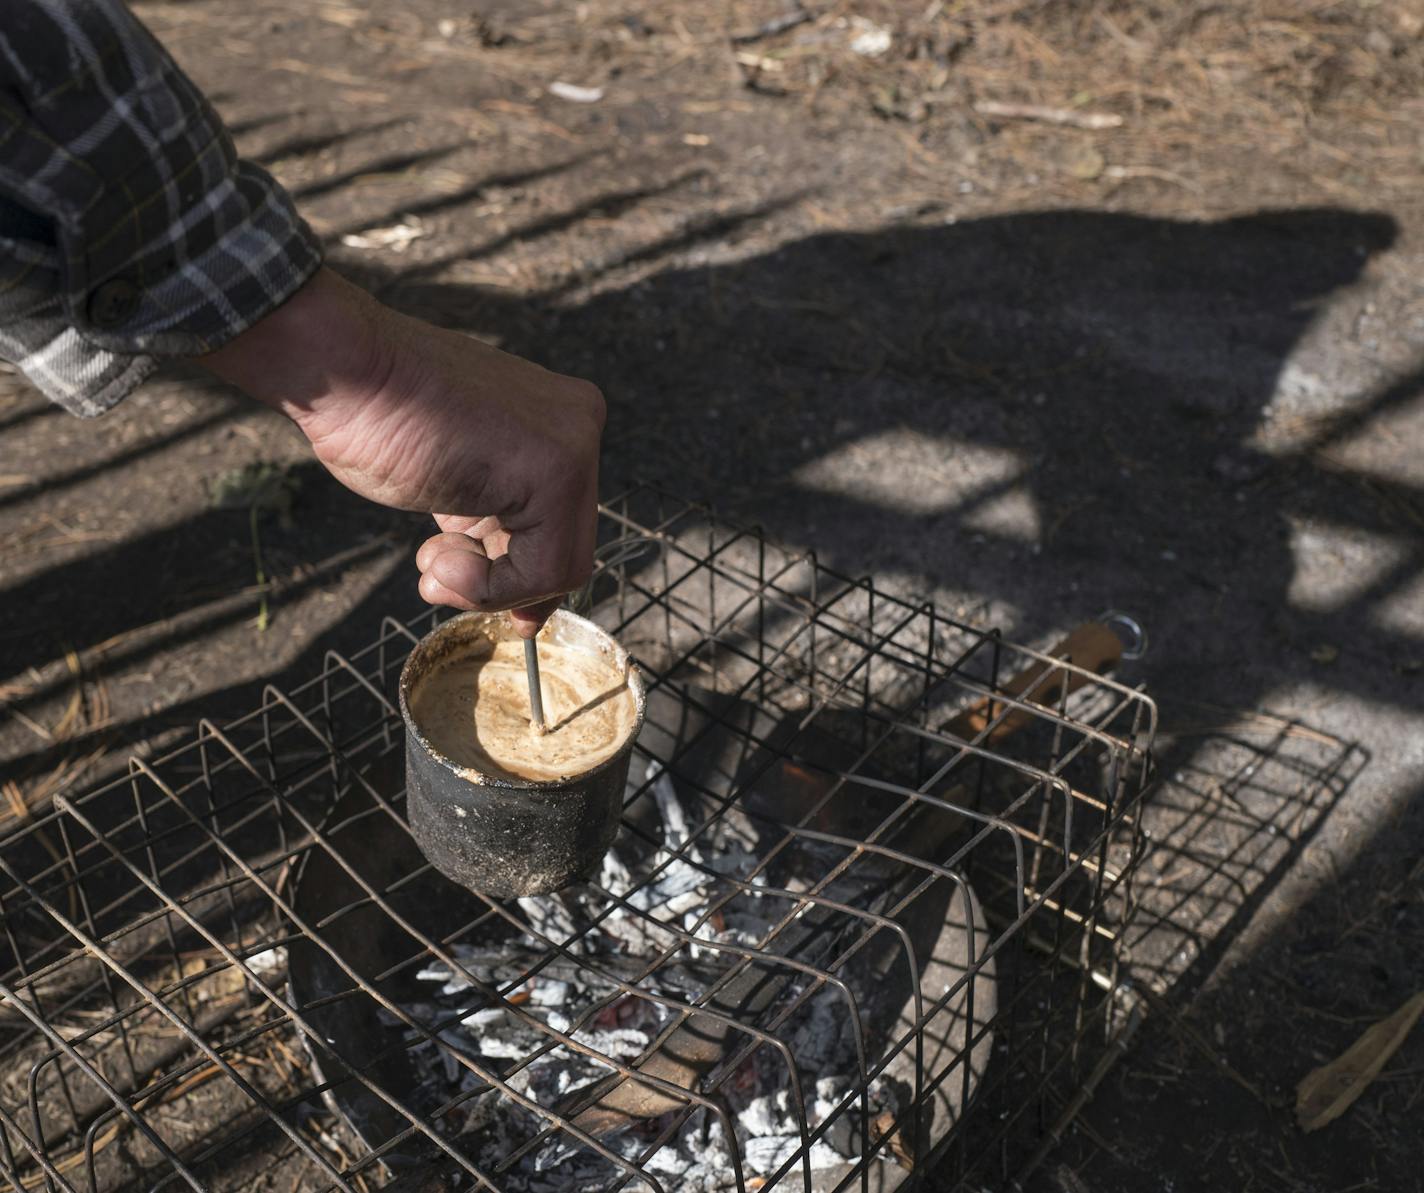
<point>166,244</point>
<point>327,345</point>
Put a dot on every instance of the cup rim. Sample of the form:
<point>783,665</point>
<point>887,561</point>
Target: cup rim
<point>621,659</point>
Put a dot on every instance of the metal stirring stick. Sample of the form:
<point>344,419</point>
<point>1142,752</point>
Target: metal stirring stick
<point>536,695</point>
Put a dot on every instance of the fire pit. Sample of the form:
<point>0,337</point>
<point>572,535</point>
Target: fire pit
<point>859,922</point>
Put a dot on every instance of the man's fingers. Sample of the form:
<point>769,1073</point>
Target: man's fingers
<point>439,543</point>
<point>476,563</point>
<point>491,584</point>
<point>535,569</point>
<point>487,530</point>
<point>476,527</point>
<point>435,593</point>
<point>527,621</point>
<point>466,573</point>
<point>451,566</point>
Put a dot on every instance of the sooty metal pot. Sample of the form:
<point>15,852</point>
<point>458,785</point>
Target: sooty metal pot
<point>512,837</point>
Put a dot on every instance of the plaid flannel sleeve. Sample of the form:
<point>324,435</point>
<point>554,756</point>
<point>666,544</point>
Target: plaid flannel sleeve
<point>129,229</point>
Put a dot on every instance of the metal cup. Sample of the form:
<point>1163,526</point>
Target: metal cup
<point>512,837</point>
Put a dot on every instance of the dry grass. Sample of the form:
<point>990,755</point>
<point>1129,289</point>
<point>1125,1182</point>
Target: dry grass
<point>86,711</point>
<point>1175,96</point>
<point>1032,101</point>
<point>1191,103</point>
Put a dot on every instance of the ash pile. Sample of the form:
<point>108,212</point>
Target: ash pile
<point>804,1003</point>
<point>759,1099</point>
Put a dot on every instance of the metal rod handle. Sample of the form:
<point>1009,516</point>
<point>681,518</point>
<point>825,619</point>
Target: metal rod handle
<point>536,694</point>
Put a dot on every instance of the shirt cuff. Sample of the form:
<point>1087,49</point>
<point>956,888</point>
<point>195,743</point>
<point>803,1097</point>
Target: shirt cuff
<point>88,352</point>
<point>255,253</point>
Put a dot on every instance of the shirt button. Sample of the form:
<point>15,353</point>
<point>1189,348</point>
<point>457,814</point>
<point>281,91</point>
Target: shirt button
<point>113,302</point>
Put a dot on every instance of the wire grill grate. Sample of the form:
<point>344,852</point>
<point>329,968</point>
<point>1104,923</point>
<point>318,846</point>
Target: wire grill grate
<point>206,957</point>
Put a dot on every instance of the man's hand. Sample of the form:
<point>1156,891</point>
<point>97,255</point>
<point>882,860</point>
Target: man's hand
<point>502,452</point>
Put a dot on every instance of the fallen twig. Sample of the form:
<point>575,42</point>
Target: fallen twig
<point>1062,116</point>
<point>772,27</point>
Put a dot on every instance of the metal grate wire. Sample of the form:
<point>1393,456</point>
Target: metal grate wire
<point>148,1034</point>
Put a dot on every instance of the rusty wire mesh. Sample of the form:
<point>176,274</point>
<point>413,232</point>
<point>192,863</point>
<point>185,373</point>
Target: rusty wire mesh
<point>149,1034</point>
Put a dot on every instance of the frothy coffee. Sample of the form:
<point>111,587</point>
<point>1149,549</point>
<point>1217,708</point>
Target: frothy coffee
<point>474,709</point>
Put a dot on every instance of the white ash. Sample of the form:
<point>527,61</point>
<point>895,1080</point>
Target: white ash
<point>550,918</point>
<point>683,887</point>
<point>698,1159</point>
<point>767,1153</point>
<point>269,963</point>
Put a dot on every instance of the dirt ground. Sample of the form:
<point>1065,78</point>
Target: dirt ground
<point>1042,308</point>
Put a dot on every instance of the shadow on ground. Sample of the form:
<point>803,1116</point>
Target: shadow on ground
<point>1058,412</point>
<point>1114,371</point>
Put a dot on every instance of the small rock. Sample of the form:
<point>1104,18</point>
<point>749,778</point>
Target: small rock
<point>870,40</point>
<point>1379,41</point>
<point>574,93</point>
